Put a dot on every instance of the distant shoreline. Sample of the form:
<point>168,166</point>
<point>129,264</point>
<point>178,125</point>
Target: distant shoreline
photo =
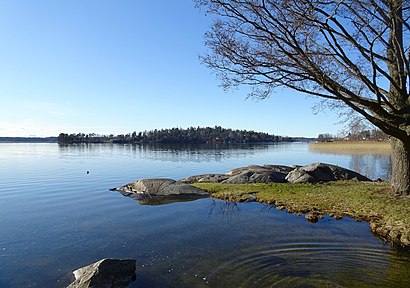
<point>191,135</point>
<point>28,140</point>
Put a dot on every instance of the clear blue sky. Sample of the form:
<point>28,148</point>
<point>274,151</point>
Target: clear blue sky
<point>122,66</point>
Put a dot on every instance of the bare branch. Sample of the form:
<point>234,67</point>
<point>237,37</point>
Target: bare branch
<point>353,51</point>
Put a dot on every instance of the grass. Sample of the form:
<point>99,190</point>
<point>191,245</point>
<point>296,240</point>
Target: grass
<point>357,147</point>
<point>373,202</point>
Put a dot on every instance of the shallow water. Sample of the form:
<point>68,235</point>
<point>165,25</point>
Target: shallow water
<point>54,218</point>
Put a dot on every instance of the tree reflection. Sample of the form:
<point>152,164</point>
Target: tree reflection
<point>226,209</point>
<point>373,166</point>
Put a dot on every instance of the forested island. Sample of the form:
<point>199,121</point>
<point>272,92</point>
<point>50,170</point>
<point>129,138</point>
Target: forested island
<point>190,135</point>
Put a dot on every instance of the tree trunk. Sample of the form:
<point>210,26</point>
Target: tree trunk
<point>400,166</point>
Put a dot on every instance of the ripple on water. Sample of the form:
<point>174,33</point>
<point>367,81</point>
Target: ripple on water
<point>311,265</point>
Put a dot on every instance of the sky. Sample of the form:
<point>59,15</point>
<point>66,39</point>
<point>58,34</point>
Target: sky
<point>118,66</point>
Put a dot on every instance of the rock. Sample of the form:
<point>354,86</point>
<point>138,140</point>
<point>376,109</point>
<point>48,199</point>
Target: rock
<point>160,187</point>
<point>313,217</point>
<point>240,170</point>
<point>248,198</point>
<point>150,187</point>
<point>345,174</point>
<point>279,168</point>
<point>205,178</point>
<point>243,175</point>
<point>257,174</point>
<point>113,273</point>
<point>320,172</point>
<point>299,176</point>
<point>179,188</point>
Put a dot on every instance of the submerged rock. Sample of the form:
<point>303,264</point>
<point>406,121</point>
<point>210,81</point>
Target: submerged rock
<point>110,273</point>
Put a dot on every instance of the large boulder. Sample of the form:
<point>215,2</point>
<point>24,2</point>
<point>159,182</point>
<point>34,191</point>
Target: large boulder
<point>345,174</point>
<point>299,175</point>
<point>160,187</point>
<point>320,172</point>
<point>106,273</point>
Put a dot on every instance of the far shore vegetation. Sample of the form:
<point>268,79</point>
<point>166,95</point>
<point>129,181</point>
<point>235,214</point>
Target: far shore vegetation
<point>358,140</point>
<point>352,147</point>
<point>192,135</point>
<point>373,202</point>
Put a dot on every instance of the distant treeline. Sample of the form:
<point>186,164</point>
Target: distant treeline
<point>192,135</point>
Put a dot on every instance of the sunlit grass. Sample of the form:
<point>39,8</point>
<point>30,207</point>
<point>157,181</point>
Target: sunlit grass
<point>369,201</point>
<point>352,147</point>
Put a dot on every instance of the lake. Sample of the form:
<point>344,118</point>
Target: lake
<point>55,218</point>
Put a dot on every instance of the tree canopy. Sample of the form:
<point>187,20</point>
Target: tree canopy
<point>338,50</point>
<point>353,53</point>
<point>191,135</point>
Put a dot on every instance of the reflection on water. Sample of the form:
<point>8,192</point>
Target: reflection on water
<point>375,166</point>
<point>249,245</point>
<point>176,152</point>
<point>54,218</point>
<point>231,156</point>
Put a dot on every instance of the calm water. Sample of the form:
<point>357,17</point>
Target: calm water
<point>54,218</point>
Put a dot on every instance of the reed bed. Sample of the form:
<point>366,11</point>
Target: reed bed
<point>354,147</point>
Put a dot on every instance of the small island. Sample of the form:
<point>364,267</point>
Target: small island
<point>191,135</point>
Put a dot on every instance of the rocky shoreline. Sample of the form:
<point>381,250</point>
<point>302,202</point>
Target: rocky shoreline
<point>152,188</point>
<point>164,191</point>
<point>313,173</point>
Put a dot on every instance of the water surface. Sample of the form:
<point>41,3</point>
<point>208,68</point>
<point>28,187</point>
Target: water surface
<point>54,217</point>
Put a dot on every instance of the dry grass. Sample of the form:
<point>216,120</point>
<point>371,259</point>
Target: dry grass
<point>352,147</point>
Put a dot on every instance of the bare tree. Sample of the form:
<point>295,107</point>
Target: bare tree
<point>352,52</point>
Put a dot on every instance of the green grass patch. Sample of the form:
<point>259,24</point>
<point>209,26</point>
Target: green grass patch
<point>374,202</point>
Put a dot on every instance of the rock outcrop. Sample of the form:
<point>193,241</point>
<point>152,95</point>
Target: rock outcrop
<point>157,191</point>
<point>243,175</point>
<point>320,172</point>
<point>109,273</point>
<point>205,178</point>
<point>257,168</point>
<point>313,173</point>
<point>257,174</point>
